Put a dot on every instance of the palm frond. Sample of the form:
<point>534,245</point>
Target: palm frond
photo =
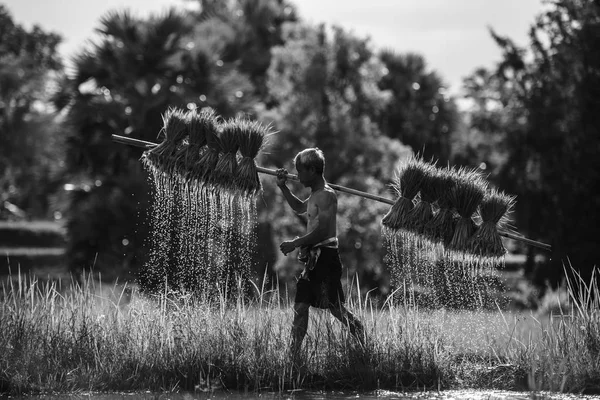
<point>121,25</point>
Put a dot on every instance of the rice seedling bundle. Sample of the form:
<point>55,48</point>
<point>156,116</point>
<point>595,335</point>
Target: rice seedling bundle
<point>225,171</point>
<point>181,153</point>
<point>174,132</point>
<point>197,137</point>
<point>406,184</point>
<point>422,213</point>
<point>251,138</point>
<point>208,159</point>
<point>440,228</point>
<point>202,125</point>
<point>465,197</point>
<point>494,211</point>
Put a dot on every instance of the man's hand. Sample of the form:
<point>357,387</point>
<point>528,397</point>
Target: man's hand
<point>281,177</point>
<point>287,247</point>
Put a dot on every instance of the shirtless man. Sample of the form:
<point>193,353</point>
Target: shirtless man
<point>319,285</point>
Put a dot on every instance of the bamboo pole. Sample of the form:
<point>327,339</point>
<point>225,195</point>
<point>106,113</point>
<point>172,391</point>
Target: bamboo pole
<point>149,145</point>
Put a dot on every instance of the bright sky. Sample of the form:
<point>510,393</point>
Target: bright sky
<point>452,35</point>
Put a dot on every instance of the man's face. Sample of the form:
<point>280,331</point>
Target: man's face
<point>305,175</point>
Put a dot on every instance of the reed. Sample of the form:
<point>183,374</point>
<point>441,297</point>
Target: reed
<point>63,338</point>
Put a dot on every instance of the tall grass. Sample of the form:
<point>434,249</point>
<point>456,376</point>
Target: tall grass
<point>92,337</point>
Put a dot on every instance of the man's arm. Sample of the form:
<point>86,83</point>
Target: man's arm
<point>297,205</point>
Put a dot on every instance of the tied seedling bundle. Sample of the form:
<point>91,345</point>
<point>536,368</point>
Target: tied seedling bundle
<point>207,162</point>
<point>494,212</point>
<point>225,170</point>
<point>198,124</point>
<point>422,212</point>
<point>174,133</point>
<point>440,228</point>
<point>206,128</point>
<point>251,136</point>
<point>406,185</point>
<point>465,197</point>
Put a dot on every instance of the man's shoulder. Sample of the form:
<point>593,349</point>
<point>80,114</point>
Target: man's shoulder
<point>327,195</point>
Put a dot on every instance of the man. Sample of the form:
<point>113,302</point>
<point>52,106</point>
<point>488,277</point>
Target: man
<point>319,285</point>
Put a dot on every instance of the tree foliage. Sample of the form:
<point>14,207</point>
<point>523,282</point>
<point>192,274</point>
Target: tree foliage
<point>537,118</point>
<point>31,146</point>
<point>420,113</point>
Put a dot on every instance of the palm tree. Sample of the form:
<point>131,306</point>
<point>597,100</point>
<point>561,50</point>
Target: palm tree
<point>122,83</point>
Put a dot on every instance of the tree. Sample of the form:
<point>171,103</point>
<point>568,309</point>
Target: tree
<point>420,113</point>
<point>30,154</point>
<point>540,107</point>
<point>255,28</point>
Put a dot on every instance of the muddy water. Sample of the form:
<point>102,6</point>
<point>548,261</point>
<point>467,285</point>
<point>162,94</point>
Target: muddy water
<point>317,395</point>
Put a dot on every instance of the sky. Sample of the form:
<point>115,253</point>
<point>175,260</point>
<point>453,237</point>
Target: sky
<point>452,35</point>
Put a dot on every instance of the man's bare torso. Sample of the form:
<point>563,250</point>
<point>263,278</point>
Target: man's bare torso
<point>322,201</point>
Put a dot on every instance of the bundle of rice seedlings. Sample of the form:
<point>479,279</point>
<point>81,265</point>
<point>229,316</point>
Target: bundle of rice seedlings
<point>422,213</point>
<point>406,184</point>
<point>465,198</point>
<point>251,139</point>
<point>181,153</point>
<point>225,171</point>
<point>174,132</point>
<point>197,124</point>
<point>440,228</point>
<point>208,159</point>
<point>494,211</point>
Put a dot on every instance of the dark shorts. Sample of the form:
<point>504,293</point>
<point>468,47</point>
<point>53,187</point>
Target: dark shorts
<point>323,289</point>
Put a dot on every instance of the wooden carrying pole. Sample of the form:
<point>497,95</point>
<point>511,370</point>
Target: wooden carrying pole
<point>149,145</point>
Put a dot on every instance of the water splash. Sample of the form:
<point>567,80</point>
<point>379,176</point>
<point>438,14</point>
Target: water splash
<point>203,237</point>
<point>426,274</point>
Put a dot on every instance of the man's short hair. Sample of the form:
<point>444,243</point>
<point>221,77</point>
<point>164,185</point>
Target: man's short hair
<point>311,158</point>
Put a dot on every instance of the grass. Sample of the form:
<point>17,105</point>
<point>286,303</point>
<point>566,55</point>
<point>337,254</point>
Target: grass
<point>89,337</point>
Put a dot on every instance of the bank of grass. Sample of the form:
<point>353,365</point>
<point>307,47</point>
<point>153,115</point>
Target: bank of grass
<point>87,337</point>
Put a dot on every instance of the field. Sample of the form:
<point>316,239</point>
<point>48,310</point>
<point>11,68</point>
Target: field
<point>94,337</point>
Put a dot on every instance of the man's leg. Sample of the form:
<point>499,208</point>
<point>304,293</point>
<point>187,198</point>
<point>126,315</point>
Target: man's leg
<point>340,312</point>
<point>299,327</point>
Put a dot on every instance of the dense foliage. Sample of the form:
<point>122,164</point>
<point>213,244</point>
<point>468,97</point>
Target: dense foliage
<point>535,123</point>
<point>31,143</point>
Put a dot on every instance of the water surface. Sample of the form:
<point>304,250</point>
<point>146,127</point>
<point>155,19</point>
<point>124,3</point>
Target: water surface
<point>318,395</point>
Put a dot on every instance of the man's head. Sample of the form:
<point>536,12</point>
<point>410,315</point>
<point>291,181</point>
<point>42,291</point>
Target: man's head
<point>310,164</point>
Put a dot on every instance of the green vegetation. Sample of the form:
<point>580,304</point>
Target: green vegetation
<point>90,337</point>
